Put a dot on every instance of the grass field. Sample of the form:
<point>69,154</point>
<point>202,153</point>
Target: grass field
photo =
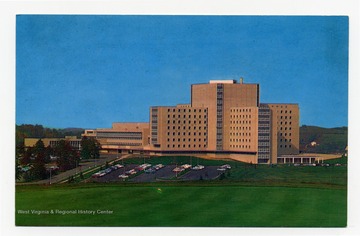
<point>281,196</point>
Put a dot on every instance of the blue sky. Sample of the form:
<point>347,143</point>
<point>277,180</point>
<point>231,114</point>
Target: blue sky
<point>91,71</point>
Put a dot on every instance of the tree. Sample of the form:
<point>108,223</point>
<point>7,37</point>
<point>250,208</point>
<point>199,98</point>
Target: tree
<point>17,169</point>
<point>26,158</point>
<point>67,157</point>
<point>39,171</point>
<point>90,148</point>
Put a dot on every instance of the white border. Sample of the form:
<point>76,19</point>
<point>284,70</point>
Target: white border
<point>9,10</point>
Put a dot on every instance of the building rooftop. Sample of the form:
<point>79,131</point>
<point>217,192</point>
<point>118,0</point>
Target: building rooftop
<point>223,81</point>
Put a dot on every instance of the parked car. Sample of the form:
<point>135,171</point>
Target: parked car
<point>198,167</point>
<point>178,169</point>
<point>227,166</point>
<point>113,167</point>
<point>131,172</point>
<point>186,166</point>
<point>159,166</point>
<point>123,176</point>
<point>96,175</point>
<point>150,170</point>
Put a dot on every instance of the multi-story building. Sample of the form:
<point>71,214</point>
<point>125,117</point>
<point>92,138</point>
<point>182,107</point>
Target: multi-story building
<point>122,137</point>
<point>225,119</point>
<point>53,142</point>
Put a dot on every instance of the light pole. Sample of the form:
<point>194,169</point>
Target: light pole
<point>50,174</point>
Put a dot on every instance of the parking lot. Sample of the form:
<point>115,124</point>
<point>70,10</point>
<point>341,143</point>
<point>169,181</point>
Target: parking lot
<point>166,173</point>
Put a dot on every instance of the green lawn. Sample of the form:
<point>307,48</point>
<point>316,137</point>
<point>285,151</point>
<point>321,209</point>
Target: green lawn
<point>280,196</point>
<point>183,205</point>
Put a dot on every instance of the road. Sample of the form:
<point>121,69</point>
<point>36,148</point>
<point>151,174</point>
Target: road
<point>83,167</point>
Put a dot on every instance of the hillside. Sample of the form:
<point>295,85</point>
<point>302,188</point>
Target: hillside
<point>38,131</point>
<point>328,140</point>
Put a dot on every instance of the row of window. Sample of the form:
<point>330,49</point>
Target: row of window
<point>184,133</point>
<point>285,146</point>
<point>284,117</point>
<point>118,134</point>
<point>284,123</point>
<point>184,122</point>
<point>285,128</point>
<point>240,122</point>
<point>184,116</point>
<point>127,138</point>
<point>286,111</point>
<point>240,116</point>
<point>240,110</point>
<point>240,146</point>
<point>263,150</point>
<point>240,128</point>
<point>240,134</point>
<point>264,144</point>
<point>189,140</point>
<point>285,134</point>
<point>240,140</point>
<point>184,110</point>
<point>184,145</point>
<point>285,140</point>
<point>128,144</point>
<point>184,128</point>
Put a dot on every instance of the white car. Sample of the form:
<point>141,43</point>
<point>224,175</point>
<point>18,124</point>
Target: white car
<point>123,176</point>
<point>178,169</point>
<point>186,166</point>
<point>227,166</point>
<point>159,166</point>
<point>198,167</point>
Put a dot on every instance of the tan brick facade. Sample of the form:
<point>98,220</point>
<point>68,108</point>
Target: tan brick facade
<point>224,120</point>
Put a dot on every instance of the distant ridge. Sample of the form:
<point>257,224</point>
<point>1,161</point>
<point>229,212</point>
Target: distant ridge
<point>38,131</point>
<point>314,139</point>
